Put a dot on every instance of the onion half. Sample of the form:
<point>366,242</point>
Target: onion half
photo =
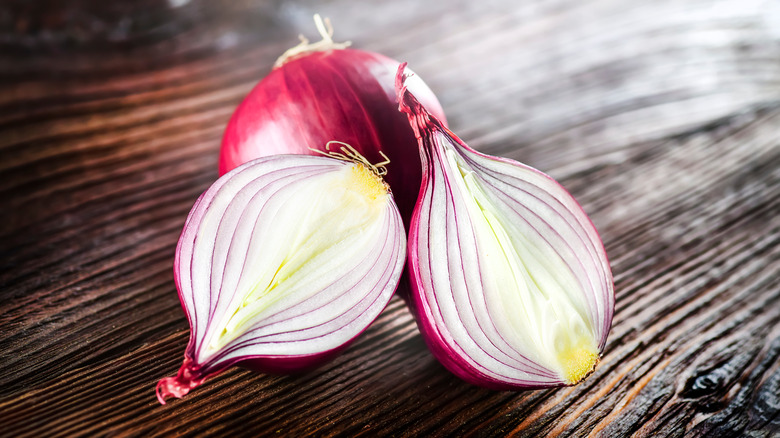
<point>281,263</point>
<point>324,91</point>
<point>511,286</point>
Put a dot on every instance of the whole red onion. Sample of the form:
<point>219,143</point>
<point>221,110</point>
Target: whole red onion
<point>325,92</point>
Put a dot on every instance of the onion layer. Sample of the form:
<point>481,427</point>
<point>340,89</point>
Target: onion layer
<point>321,92</point>
<point>281,263</point>
<point>511,286</point>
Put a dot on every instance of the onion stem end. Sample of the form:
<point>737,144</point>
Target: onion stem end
<point>180,385</point>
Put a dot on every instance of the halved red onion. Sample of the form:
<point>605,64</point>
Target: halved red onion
<point>511,286</point>
<point>323,91</point>
<point>281,263</point>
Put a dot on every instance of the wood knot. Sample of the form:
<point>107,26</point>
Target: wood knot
<point>703,385</point>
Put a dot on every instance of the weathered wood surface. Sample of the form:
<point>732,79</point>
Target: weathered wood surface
<point>662,118</point>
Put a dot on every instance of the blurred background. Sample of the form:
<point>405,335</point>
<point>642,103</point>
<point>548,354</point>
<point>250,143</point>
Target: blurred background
<point>661,117</point>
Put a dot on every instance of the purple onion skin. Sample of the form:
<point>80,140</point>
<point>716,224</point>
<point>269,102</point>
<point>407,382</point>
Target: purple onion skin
<point>424,123</point>
<point>345,95</point>
<point>283,365</point>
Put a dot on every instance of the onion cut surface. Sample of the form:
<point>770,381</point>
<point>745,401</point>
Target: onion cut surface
<point>323,92</point>
<point>511,286</point>
<point>281,263</point>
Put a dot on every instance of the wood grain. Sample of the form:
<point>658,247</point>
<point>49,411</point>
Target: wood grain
<point>662,118</point>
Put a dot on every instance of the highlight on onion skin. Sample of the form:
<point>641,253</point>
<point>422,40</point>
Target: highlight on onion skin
<point>511,286</point>
<point>324,91</point>
<point>281,263</point>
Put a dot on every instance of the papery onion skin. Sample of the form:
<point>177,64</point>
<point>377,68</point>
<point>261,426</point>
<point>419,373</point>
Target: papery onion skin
<point>345,95</point>
<point>387,250</point>
<point>438,338</point>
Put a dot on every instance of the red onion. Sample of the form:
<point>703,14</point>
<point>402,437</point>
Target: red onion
<point>511,286</point>
<point>321,92</point>
<point>282,262</point>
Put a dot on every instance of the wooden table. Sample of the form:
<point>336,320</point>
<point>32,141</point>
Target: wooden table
<point>662,118</point>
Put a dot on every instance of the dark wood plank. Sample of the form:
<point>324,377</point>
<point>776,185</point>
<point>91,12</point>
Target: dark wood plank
<point>663,119</point>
